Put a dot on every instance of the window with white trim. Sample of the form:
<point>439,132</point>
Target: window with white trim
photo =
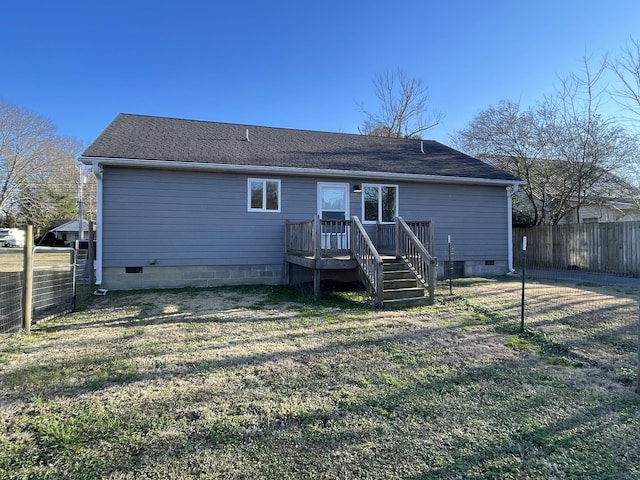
<point>263,195</point>
<point>379,203</point>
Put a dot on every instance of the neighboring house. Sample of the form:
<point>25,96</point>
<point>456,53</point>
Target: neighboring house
<point>609,199</point>
<point>70,232</point>
<point>612,200</point>
<point>196,203</point>
<point>606,209</point>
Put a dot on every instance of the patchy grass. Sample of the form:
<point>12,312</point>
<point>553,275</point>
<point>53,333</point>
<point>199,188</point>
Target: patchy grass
<point>258,383</point>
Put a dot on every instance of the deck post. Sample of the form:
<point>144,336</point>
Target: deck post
<point>317,241</point>
<point>317,255</point>
<point>316,284</point>
<point>433,277</point>
<point>380,285</point>
<point>398,254</point>
<point>287,273</point>
<point>286,252</point>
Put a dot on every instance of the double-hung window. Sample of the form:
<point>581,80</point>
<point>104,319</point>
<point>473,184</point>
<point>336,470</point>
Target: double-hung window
<point>263,195</point>
<point>380,203</point>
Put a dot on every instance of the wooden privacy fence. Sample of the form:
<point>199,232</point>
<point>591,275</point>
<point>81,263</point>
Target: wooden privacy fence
<point>597,247</point>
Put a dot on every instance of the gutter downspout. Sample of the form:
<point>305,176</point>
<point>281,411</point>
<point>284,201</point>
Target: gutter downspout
<point>97,171</point>
<point>511,190</point>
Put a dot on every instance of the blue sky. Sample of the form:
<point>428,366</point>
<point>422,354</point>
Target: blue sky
<point>292,64</point>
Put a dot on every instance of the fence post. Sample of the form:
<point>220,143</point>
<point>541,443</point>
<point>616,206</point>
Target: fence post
<point>450,266</point>
<point>27,287</point>
<point>524,271</point>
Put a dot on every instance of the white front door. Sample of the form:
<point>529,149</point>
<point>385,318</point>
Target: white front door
<point>333,204</point>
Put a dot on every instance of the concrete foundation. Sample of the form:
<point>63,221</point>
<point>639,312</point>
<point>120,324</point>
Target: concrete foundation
<point>475,268</point>
<point>153,276</point>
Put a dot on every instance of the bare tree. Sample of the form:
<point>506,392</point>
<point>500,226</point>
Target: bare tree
<point>37,167</point>
<point>627,68</point>
<point>404,110</point>
<point>563,147</point>
<point>52,193</point>
<point>582,139</point>
<point>512,139</point>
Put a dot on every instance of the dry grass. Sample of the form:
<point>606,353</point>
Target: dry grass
<point>12,259</point>
<point>258,383</point>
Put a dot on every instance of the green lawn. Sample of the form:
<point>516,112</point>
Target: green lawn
<point>258,383</point>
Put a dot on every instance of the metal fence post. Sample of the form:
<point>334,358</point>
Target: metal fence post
<point>450,266</point>
<point>524,271</point>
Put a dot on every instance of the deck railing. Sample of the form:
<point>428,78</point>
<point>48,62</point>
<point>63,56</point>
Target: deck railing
<point>386,235</point>
<point>299,237</point>
<point>321,238</point>
<point>369,260</point>
<point>318,237</point>
<point>414,253</point>
<point>423,232</point>
<point>334,236</point>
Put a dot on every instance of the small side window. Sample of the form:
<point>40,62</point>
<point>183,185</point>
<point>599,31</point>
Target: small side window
<point>263,195</point>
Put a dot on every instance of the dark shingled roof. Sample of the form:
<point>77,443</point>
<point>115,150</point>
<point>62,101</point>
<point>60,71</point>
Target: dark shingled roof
<point>176,140</point>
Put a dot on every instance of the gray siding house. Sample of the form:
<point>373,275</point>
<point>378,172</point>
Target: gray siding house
<point>196,203</point>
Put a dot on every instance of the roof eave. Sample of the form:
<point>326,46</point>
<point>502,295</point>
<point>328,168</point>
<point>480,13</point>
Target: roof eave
<point>294,171</point>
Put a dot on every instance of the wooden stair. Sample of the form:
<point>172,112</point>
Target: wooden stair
<point>401,288</point>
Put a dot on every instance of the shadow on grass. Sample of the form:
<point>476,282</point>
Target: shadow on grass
<point>468,423</point>
<point>123,364</point>
<point>592,340</point>
<point>356,402</point>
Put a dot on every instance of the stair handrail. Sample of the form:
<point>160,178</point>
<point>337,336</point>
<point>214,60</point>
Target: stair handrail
<point>415,254</point>
<point>368,259</point>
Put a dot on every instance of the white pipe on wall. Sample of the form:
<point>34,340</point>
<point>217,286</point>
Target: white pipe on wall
<point>511,190</point>
<point>97,171</point>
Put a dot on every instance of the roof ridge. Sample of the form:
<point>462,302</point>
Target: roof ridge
<point>250,125</point>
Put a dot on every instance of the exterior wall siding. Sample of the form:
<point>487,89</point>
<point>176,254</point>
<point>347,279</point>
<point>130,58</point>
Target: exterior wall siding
<point>475,216</point>
<point>176,222</point>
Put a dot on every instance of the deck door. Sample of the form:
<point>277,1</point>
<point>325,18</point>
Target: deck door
<point>333,204</point>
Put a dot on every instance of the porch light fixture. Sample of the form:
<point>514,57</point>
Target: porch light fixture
<point>356,188</point>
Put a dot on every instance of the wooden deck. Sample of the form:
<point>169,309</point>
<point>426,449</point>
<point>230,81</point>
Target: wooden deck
<point>320,244</point>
